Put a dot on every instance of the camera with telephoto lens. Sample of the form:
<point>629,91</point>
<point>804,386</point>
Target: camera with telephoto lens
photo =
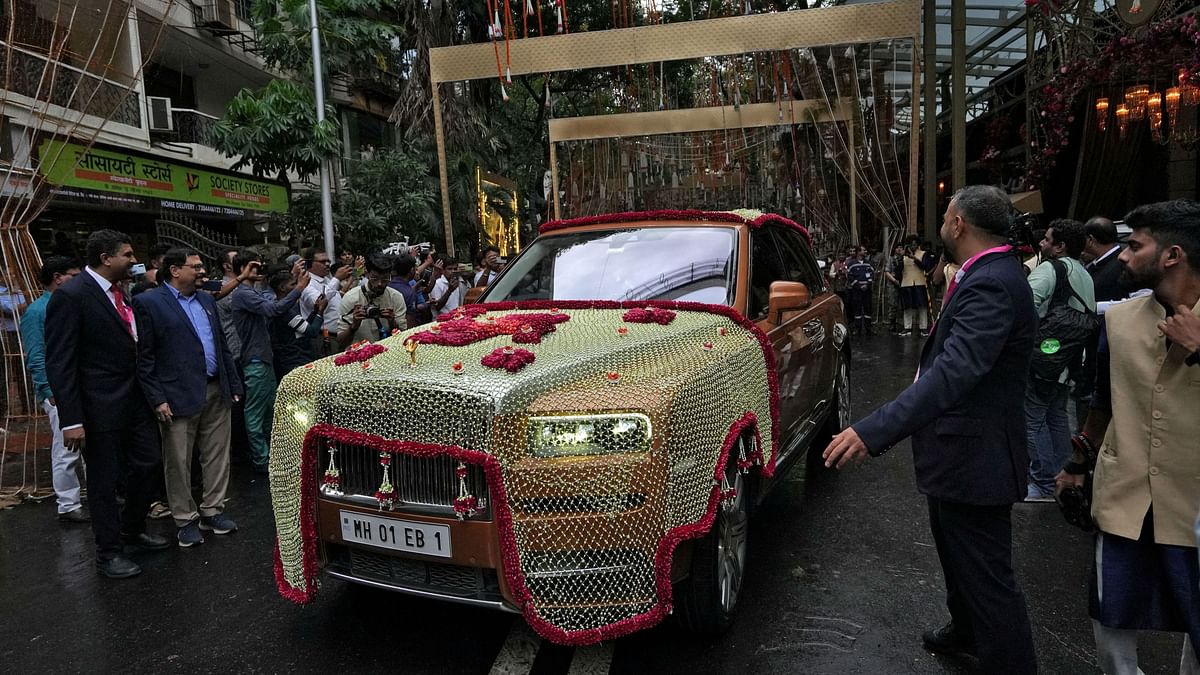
<point>1023,226</point>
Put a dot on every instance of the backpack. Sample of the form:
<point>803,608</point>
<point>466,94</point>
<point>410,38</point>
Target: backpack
<point>1064,332</point>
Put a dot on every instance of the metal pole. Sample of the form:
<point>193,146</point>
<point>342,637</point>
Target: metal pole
<point>958,92</point>
<point>319,87</point>
<point>931,121</point>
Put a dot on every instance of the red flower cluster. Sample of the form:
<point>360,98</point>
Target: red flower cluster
<point>459,332</point>
<point>359,352</point>
<point>508,358</point>
<point>661,317</point>
<point>466,506</point>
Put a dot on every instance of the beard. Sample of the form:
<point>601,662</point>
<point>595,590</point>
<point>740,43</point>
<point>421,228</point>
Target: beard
<point>1133,280</point>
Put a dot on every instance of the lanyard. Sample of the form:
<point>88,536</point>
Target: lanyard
<point>966,266</point>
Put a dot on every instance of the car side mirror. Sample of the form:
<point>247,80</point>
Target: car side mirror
<point>786,296</point>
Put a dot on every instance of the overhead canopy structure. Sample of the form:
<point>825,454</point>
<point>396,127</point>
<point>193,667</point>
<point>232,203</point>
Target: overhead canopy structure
<point>783,31</point>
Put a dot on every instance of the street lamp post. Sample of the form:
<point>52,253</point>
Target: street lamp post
<point>319,86</point>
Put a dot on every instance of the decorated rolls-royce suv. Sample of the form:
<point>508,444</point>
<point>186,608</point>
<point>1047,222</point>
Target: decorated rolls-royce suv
<point>586,443</point>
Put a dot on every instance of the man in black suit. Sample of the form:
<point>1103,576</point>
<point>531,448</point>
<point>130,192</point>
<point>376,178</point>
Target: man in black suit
<point>1101,258</point>
<point>191,383</point>
<point>91,330</point>
<point>965,413</point>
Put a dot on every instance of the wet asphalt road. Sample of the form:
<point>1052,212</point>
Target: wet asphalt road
<point>842,578</point>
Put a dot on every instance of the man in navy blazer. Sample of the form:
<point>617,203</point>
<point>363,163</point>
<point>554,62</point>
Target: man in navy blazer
<point>190,382</point>
<point>91,331</point>
<point>965,414</point>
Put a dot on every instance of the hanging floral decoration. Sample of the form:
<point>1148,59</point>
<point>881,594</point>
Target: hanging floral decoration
<point>466,329</point>
<point>465,504</point>
<point>508,358</point>
<point>331,482</point>
<point>386,494</point>
<point>359,352</point>
<point>1173,42</point>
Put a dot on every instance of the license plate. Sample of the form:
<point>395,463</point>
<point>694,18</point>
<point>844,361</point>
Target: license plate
<point>397,535</point>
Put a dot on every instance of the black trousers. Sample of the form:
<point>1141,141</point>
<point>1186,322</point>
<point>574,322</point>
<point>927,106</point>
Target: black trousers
<point>974,545</point>
<point>135,452</point>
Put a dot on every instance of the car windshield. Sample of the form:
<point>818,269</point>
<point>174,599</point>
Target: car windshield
<point>694,264</point>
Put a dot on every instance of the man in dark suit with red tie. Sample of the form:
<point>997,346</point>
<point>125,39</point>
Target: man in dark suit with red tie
<point>91,330</point>
<point>965,414</point>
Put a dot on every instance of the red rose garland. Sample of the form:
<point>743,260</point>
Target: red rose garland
<point>460,332</point>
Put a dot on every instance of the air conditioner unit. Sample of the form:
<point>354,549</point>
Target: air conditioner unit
<point>218,15</point>
<point>161,117</point>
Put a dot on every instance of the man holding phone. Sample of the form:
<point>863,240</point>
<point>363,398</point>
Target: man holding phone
<point>252,311</point>
<point>448,291</point>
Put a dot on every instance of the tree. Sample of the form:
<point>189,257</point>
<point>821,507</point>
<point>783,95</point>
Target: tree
<point>387,197</point>
<point>274,130</point>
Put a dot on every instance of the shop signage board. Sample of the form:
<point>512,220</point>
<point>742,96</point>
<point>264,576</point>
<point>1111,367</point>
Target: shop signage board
<point>110,176</point>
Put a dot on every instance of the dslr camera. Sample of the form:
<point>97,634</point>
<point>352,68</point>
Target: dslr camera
<point>373,312</point>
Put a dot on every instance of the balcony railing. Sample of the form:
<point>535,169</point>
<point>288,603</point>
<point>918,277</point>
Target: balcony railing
<point>193,126</point>
<point>35,76</point>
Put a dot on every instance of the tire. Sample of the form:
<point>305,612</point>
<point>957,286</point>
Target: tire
<point>839,416</point>
<point>707,600</point>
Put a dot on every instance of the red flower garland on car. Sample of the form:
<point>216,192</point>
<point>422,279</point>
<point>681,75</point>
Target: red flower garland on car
<point>508,359</point>
<point>661,317</point>
<point>460,332</point>
<point>359,353</point>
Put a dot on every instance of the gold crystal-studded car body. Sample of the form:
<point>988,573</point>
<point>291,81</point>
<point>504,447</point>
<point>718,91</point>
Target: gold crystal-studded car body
<point>564,488</point>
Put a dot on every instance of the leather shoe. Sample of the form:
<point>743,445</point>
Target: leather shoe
<point>118,567</point>
<point>149,542</point>
<point>948,640</point>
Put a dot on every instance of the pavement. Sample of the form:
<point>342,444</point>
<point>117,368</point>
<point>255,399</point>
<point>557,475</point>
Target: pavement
<point>842,578</point>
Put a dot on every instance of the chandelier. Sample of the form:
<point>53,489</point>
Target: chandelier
<point>1170,114</point>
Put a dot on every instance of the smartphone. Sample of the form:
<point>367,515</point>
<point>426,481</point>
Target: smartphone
<point>138,270</point>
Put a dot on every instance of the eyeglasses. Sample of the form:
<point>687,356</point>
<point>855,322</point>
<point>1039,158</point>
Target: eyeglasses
<point>199,267</point>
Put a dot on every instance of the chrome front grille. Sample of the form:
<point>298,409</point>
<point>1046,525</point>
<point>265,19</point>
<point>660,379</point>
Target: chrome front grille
<point>427,484</point>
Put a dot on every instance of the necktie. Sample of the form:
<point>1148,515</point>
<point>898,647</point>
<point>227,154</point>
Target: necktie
<point>123,310</point>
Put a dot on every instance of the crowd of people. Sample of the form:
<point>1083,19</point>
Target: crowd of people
<point>989,421</point>
<point>145,380</point>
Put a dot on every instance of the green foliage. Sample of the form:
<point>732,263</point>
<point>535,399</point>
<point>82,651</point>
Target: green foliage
<point>275,130</point>
<point>386,198</point>
<point>351,39</point>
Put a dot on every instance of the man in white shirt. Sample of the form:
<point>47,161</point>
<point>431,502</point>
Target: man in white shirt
<point>490,269</point>
<point>323,284</point>
<point>448,292</point>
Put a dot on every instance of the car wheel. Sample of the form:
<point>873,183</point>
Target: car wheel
<point>707,599</point>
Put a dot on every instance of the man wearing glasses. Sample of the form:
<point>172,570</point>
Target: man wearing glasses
<point>191,383</point>
<point>324,284</point>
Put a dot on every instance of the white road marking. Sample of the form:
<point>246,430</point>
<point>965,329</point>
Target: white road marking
<point>594,660</point>
<point>519,651</point>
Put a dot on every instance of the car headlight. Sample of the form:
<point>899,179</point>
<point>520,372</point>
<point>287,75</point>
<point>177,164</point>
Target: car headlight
<point>579,435</point>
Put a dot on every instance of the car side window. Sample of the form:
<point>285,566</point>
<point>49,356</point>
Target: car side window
<point>798,262</point>
<point>765,267</point>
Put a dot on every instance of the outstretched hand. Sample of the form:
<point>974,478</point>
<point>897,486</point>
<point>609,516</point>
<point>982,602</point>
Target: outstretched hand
<point>845,447</point>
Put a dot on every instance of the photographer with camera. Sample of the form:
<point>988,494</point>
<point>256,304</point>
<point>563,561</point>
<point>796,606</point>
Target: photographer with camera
<point>490,267</point>
<point>375,309</point>
<point>252,311</point>
<point>1140,436</point>
<point>915,262</point>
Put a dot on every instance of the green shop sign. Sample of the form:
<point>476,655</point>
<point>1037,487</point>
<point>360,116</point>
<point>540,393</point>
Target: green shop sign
<point>177,186</point>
